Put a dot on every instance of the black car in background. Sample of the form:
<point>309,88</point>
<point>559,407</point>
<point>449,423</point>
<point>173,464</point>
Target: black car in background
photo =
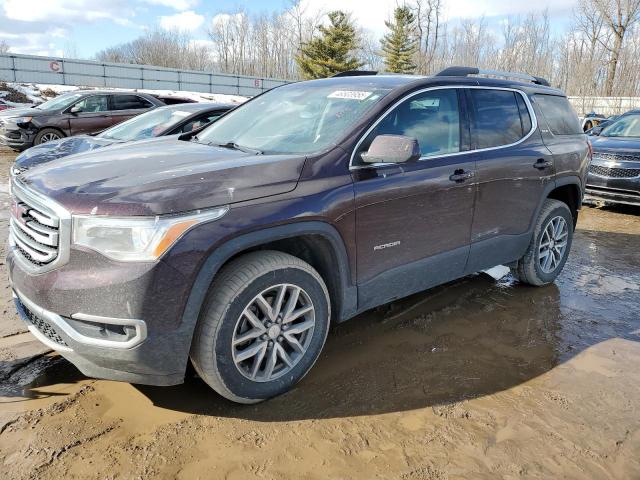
<point>73,113</point>
<point>614,173</point>
<point>160,122</point>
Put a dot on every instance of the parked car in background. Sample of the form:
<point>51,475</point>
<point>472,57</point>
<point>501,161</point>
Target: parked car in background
<point>591,120</point>
<point>300,208</point>
<point>614,173</point>
<point>159,122</point>
<point>72,113</point>
<point>594,131</point>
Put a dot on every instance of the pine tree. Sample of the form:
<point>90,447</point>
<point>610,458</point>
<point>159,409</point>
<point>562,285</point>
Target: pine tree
<point>400,44</point>
<point>332,51</point>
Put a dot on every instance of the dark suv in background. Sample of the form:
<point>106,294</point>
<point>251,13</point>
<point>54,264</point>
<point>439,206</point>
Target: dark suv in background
<point>70,114</point>
<point>304,206</point>
<point>614,174</point>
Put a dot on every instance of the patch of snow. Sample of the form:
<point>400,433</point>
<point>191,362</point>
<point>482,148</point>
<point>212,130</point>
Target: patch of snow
<point>497,272</point>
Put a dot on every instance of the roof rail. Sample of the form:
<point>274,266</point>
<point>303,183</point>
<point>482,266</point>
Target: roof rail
<point>465,71</point>
<point>355,73</point>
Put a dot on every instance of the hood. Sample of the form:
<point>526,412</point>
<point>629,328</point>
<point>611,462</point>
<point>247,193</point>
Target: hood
<point>619,145</point>
<point>23,112</point>
<point>46,152</point>
<point>162,176</point>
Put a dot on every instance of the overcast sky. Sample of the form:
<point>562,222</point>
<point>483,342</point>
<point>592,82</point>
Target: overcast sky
<point>50,27</point>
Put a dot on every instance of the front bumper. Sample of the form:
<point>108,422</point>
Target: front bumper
<point>613,182</point>
<point>18,139</point>
<point>117,322</point>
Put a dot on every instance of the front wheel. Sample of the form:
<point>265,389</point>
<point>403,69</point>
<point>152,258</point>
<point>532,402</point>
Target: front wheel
<point>549,247</point>
<point>47,135</point>
<point>263,326</point>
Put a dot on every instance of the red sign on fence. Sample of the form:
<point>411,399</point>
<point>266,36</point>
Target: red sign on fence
<point>55,67</point>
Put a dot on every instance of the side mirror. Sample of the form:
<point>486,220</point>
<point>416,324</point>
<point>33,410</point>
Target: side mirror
<point>392,149</point>
<point>75,109</point>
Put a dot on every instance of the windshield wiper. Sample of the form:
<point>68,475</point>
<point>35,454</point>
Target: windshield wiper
<point>235,146</point>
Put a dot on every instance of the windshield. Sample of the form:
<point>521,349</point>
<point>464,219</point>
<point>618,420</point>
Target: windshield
<point>297,118</point>
<point>58,103</point>
<point>147,125</point>
<point>627,126</point>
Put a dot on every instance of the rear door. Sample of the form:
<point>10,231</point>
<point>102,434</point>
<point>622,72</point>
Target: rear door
<point>561,133</point>
<point>126,106</point>
<point>93,115</point>
<point>413,220</point>
<point>514,167</point>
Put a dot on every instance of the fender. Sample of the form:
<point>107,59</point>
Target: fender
<point>348,293</point>
<point>551,186</point>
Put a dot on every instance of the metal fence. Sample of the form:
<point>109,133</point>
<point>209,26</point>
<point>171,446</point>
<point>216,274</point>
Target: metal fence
<point>604,105</point>
<point>62,71</point>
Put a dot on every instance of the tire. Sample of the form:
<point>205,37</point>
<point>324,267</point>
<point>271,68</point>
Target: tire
<point>535,267</point>
<point>47,135</point>
<point>231,313</point>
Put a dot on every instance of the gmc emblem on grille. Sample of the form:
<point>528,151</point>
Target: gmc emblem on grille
<point>18,210</point>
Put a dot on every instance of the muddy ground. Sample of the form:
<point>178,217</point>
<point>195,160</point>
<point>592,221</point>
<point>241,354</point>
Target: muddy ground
<point>477,379</point>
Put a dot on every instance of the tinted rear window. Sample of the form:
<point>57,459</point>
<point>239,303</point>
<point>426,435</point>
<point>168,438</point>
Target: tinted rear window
<point>559,114</point>
<point>130,102</point>
<point>498,119</point>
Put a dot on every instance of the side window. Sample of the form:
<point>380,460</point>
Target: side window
<point>130,102</point>
<point>199,122</point>
<point>559,114</point>
<point>497,118</point>
<point>433,118</point>
<point>94,103</point>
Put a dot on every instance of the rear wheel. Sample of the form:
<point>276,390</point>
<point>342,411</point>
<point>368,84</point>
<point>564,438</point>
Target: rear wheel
<point>47,135</point>
<point>549,247</point>
<point>263,327</point>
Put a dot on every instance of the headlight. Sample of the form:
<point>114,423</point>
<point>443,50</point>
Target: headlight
<point>136,239</point>
<point>22,119</point>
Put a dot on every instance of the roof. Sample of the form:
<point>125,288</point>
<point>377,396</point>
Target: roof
<point>199,106</point>
<point>391,81</point>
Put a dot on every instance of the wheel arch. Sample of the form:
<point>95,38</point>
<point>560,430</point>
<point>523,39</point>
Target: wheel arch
<point>568,190</point>
<point>317,243</point>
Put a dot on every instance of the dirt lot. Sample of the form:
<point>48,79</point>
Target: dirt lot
<point>477,379</point>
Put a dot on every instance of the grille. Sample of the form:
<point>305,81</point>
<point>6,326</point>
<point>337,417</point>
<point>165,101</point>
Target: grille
<point>43,326</point>
<point>614,172</point>
<point>617,157</point>
<point>34,231</point>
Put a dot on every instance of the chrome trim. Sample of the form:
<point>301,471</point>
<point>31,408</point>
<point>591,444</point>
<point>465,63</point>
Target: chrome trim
<point>139,325</point>
<point>36,233</point>
<point>534,125</point>
<point>59,322</point>
<point>46,207</point>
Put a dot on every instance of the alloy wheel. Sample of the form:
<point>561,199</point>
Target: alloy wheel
<point>553,244</point>
<point>273,332</point>
<point>49,137</point>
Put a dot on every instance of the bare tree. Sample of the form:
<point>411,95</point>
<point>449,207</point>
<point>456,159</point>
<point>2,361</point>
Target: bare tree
<point>618,16</point>
<point>171,49</point>
<point>4,47</point>
<point>428,25</point>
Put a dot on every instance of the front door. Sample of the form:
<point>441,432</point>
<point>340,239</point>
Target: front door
<point>91,114</point>
<point>413,220</point>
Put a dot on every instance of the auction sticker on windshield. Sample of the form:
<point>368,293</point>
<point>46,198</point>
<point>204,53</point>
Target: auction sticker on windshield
<point>349,94</point>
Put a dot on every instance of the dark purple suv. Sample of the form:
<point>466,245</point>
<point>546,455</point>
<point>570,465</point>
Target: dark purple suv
<point>237,248</point>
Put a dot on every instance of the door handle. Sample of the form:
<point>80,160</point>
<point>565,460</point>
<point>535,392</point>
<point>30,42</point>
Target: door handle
<point>460,175</point>
<point>541,164</point>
